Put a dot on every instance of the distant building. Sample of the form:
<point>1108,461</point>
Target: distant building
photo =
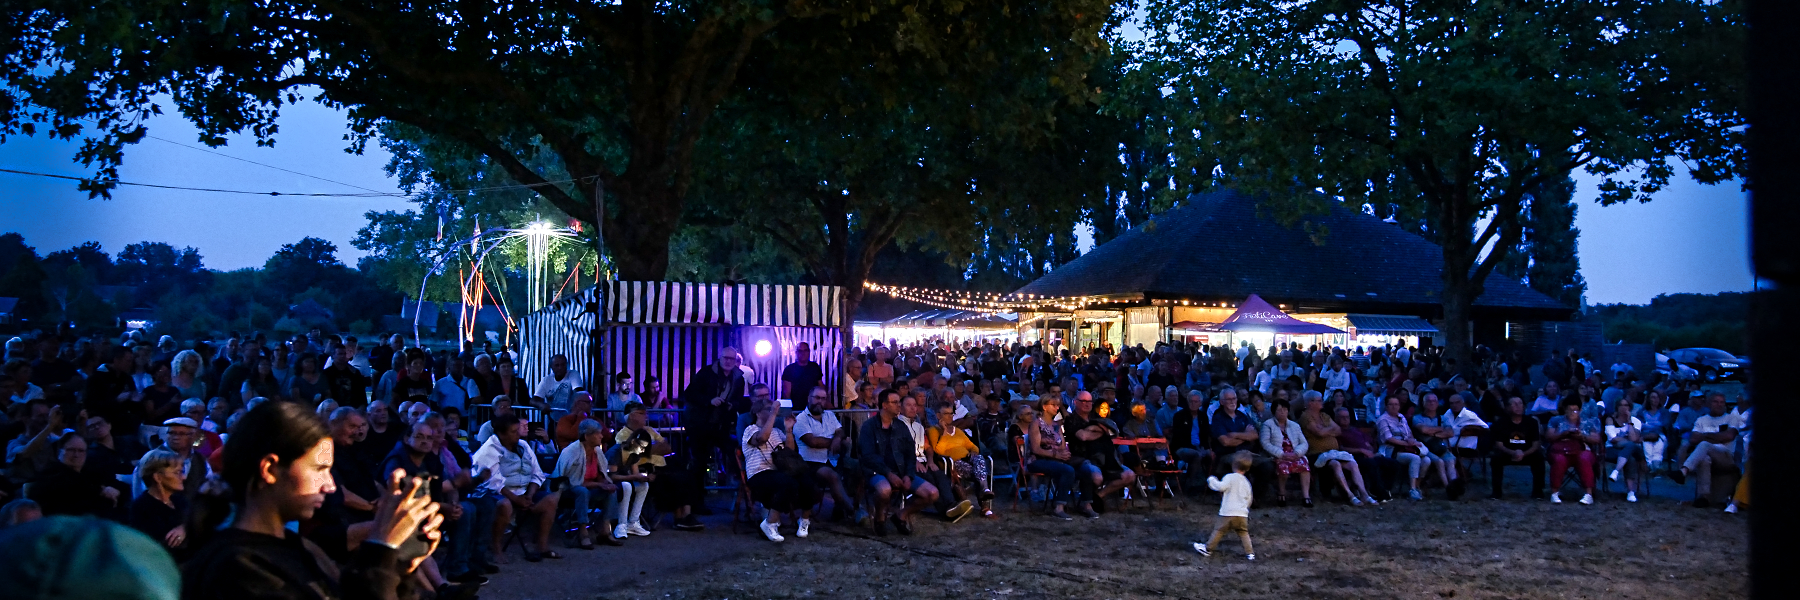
<point>1186,269</point>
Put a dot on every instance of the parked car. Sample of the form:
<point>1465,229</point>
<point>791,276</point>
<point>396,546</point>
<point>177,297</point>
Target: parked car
<point>1712,363</point>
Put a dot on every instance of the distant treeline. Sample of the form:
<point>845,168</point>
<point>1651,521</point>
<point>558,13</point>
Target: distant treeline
<point>1680,321</point>
<point>303,285</point>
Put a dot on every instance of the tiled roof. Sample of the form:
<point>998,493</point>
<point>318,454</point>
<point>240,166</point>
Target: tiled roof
<point>1216,246</point>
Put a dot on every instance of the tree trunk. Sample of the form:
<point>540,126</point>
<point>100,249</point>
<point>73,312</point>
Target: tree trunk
<point>1458,300</point>
<point>638,235</point>
<point>853,297</point>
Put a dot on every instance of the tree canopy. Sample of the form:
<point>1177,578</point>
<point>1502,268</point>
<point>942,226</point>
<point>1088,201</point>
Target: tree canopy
<point>1443,113</point>
<point>616,92</point>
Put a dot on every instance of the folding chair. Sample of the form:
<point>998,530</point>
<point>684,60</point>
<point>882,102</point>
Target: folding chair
<point>1031,482</point>
<point>1161,473</point>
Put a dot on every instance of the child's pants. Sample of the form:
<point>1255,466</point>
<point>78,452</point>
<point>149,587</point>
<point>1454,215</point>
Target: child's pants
<point>1240,525</point>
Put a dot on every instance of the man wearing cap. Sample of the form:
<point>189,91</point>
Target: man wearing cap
<point>179,435</point>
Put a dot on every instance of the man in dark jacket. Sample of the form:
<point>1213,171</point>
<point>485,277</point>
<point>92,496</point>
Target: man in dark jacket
<point>885,446</point>
<point>710,406</point>
<point>1188,436</point>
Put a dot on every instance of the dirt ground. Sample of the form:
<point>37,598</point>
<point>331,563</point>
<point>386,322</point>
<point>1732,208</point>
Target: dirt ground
<point>1474,548</point>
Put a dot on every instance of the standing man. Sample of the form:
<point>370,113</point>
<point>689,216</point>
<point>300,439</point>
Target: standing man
<point>798,379</point>
<point>710,405</point>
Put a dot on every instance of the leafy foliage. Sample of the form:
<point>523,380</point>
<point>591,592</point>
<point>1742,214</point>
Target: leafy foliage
<point>88,288</point>
<point>1673,321</point>
<point>1446,112</point>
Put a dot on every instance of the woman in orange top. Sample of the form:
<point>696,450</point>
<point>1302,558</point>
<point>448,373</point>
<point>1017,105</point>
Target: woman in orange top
<point>952,443</point>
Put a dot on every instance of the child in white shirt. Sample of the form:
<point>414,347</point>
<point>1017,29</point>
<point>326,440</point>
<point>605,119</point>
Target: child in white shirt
<point>1234,508</point>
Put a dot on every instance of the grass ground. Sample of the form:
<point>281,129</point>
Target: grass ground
<point>1478,549</point>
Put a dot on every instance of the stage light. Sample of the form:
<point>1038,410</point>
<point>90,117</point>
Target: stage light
<point>763,347</point>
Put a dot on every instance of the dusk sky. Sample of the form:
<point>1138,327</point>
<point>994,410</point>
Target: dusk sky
<point>1692,238</point>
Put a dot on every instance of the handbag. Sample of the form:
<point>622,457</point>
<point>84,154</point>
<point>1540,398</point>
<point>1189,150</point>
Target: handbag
<point>787,460</point>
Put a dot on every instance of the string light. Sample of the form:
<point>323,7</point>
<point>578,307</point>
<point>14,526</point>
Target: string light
<point>985,302</point>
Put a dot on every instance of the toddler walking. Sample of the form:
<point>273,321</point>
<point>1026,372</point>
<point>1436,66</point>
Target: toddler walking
<point>1234,509</point>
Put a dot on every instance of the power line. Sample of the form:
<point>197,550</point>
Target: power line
<point>284,170</point>
<point>300,194</point>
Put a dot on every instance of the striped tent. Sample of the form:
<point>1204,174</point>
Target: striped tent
<point>670,330</point>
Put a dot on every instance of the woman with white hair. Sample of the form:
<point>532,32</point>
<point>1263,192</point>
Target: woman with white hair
<point>161,510</point>
<point>186,374</point>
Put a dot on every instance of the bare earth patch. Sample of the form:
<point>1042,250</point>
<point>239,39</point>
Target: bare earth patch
<point>1476,549</point>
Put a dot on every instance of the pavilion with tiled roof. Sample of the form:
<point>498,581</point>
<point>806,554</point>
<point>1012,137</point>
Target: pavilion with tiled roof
<point>1191,264</point>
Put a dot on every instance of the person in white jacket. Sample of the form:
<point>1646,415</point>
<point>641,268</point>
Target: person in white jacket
<point>1283,439</point>
<point>1234,508</point>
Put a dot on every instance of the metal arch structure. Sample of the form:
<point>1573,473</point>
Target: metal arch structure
<point>537,235</point>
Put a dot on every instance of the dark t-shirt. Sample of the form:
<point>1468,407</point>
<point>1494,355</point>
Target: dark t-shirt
<point>802,378</point>
<point>401,458</point>
<point>348,386</point>
<point>1223,424</point>
<point>407,389</point>
<point>102,398</point>
<point>1516,436</point>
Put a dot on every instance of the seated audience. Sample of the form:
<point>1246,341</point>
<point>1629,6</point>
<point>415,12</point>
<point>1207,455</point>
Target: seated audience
<point>585,467</point>
<point>1713,441</point>
<point>1188,435</point>
<point>67,487</point>
<point>1625,441</point>
<point>774,488</point>
<point>519,482</point>
<point>161,511</point>
<point>1321,433</point>
<point>1516,442</point>
<point>1046,453</point>
<point>818,436</point>
<point>1282,438</point>
<point>1398,443</point>
<point>1573,440</point>
<point>1372,464</point>
<point>1090,439</point>
<point>1434,429</point>
<point>968,464</point>
<point>278,468</point>
<point>1234,430</point>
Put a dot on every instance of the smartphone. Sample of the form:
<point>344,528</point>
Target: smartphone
<point>419,545</point>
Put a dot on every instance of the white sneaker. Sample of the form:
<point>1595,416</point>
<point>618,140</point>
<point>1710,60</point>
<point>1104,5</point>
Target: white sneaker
<point>1731,509</point>
<point>1201,548</point>
<point>770,531</point>
<point>637,530</point>
<point>1631,496</point>
<point>1615,475</point>
<point>1587,498</point>
<point>1249,557</point>
<point>1556,498</point>
<point>1354,501</point>
<point>805,528</point>
<point>1371,501</point>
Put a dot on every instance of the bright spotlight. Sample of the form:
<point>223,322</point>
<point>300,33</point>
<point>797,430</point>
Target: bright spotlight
<point>763,347</point>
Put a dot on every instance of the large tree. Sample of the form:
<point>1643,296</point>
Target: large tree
<point>617,92</point>
<point>1001,163</point>
<point>1448,112</point>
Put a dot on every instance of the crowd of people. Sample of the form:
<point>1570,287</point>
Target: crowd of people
<point>315,460</point>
